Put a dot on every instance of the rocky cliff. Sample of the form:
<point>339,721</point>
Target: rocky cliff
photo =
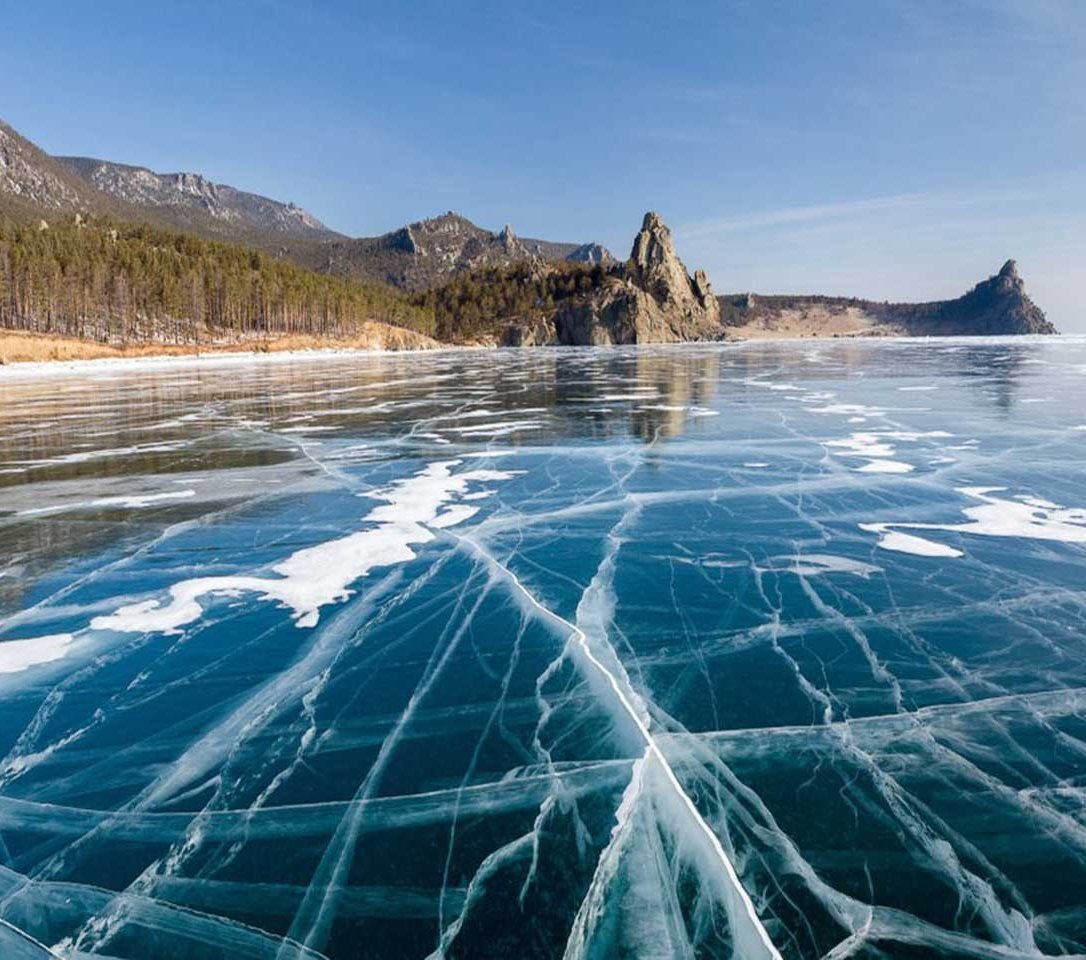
<point>649,299</point>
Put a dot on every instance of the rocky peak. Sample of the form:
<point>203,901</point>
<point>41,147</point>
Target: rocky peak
<point>654,266</point>
<point>652,246</point>
<point>998,305</point>
<point>1008,282</point>
<point>651,300</point>
<point>508,239</point>
<point>449,223</point>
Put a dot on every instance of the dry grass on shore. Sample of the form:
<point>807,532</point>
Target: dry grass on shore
<point>19,347</point>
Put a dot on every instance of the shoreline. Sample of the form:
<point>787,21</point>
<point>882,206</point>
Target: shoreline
<point>175,358</point>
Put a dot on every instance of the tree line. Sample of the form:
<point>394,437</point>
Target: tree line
<point>118,283</point>
<point>484,302</point>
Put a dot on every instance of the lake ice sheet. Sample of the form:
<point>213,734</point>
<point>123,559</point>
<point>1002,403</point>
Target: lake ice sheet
<point>746,650</point>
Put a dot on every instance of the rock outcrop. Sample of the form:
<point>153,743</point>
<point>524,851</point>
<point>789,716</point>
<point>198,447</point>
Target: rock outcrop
<point>650,299</point>
<point>998,305</point>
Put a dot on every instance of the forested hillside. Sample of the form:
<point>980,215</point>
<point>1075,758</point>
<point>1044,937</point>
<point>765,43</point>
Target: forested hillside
<point>482,304</point>
<point>117,282</point>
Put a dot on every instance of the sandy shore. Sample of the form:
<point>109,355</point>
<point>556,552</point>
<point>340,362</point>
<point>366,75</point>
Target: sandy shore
<point>21,348</point>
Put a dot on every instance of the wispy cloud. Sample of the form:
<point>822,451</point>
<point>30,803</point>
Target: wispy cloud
<point>804,214</point>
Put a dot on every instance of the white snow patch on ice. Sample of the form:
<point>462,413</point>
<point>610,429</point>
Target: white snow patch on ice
<point>1023,516</point>
<point>315,576</point>
<point>899,542</point>
<point>18,655</point>
<point>885,466</point>
<point>849,410</point>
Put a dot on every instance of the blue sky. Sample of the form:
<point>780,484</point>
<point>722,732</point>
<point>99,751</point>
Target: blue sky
<point>894,149</point>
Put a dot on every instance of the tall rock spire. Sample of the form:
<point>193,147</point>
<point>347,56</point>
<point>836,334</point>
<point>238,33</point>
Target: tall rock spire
<point>655,267</point>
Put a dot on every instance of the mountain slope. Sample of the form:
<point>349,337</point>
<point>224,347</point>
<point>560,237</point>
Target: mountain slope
<point>429,252</point>
<point>193,199</point>
<point>34,184</point>
<point>31,181</point>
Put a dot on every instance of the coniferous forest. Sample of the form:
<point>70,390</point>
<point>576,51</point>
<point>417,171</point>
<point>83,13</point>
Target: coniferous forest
<point>481,303</point>
<point>116,282</point>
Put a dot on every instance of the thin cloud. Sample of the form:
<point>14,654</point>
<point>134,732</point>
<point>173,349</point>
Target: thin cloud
<point>1037,192</point>
<point>804,214</point>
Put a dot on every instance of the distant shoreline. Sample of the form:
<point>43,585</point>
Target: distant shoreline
<point>19,348</point>
<point>179,358</point>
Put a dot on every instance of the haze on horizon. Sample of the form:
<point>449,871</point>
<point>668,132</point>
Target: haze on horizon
<point>894,150</point>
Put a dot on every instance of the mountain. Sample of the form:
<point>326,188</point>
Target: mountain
<point>427,253</point>
<point>648,299</point>
<point>467,283</point>
<point>34,184</point>
<point>190,198</point>
<point>31,181</point>
<point>996,306</point>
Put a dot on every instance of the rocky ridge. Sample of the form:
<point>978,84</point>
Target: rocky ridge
<point>429,252</point>
<point>192,192</point>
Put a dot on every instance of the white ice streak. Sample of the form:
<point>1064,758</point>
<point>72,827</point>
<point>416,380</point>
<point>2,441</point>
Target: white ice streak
<point>692,410</point>
<point>134,502</point>
<point>322,574</point>
<point>496,429</point>
<point>813,564</point>
<point>82,456</point>
<point>610,682</point>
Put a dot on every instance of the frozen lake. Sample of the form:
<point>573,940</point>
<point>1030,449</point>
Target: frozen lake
<point>746,650</point>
